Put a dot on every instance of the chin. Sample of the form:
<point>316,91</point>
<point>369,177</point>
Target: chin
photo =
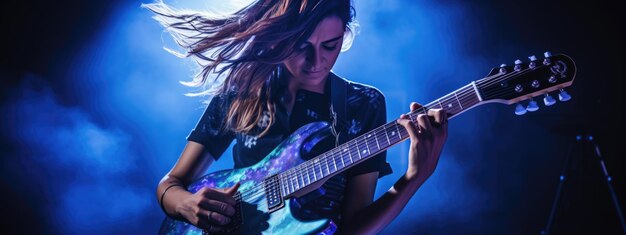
<point>315,76</point>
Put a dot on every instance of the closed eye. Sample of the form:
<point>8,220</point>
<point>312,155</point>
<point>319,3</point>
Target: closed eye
<point>330,47</point>
<point>328,44</point>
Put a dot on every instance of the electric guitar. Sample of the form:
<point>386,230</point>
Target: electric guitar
<point>264,198</point>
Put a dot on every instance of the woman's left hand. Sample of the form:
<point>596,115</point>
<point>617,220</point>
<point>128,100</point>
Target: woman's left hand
<point>428,134</point>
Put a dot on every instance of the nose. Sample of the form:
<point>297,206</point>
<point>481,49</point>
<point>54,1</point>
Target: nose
<point>314,59</point>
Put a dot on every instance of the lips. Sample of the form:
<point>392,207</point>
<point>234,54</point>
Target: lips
<point>313,71</point>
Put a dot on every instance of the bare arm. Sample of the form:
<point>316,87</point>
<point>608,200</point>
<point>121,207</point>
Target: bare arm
<point>189,165</point>
<point>197,207</point>
<point>361,215</point>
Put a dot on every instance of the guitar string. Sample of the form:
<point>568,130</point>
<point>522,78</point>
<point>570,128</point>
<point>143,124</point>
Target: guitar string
<point>499,90</point>
<point>505,90</point>
<point>308,165</point>
<point>509,75</point>
<point>362,144</point>
<point>253,192</point>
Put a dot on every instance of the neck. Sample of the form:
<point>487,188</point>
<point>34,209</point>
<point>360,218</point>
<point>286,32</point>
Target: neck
<point>294,85</point>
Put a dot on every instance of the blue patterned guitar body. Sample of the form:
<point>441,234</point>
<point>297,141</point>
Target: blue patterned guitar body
<point>254,214</point>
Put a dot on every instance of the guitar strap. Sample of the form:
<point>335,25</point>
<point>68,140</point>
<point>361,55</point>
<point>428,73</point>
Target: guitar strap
<point>339,128</point>
<point>338,113</point>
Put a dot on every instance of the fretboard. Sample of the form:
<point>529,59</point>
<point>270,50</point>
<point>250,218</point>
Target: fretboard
<point>371,143</point>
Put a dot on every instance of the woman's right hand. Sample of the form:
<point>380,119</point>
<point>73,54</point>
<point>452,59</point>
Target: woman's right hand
<point>209,208</point>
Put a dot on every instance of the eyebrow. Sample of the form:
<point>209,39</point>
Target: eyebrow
<point>333,39</point>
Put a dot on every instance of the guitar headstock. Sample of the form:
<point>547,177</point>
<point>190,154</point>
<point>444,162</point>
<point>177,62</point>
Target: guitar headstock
<point>522,81</point>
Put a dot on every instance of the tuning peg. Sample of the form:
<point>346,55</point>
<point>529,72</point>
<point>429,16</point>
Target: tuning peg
<point>533,61</point>
<point>563,96</point>
<point>503,68</point>
<point>547,56</point>
<point>519,109</point>
<point>532,106</point>
<point>518,65</point>
<point>548,100</point>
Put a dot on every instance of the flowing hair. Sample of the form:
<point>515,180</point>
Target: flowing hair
<point>240,53</point>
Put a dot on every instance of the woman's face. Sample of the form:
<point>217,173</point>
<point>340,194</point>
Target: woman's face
<point>313,59</point>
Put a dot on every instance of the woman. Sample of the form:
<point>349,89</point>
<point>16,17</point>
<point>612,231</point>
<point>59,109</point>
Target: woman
<point>268,67</point>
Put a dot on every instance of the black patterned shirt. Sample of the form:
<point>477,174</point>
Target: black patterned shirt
<point>365,109</point>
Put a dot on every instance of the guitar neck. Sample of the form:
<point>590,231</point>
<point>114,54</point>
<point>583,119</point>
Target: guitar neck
<point>371,143</point>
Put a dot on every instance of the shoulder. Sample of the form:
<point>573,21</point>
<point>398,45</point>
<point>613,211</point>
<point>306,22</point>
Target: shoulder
<point>221,99</point>
<point>364,94</point>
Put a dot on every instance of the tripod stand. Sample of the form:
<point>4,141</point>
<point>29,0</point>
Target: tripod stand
<point>579,140</point>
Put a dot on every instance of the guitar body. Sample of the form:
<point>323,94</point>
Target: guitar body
<point>255,216</point>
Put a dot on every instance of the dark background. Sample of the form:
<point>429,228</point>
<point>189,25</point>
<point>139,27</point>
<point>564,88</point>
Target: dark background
<point>520,159</point>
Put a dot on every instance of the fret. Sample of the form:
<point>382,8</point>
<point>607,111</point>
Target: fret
<point>281,184</point>
<point>300,179</point>
<point>331,157</point>
<point>339,159</point>
<point>374,144</point>
<point>314,171</point>
<point>345,149</point>
<point>365,151</point>
<point>439,102</point>
<point>368,143</point>
<point>290,180</point>
<point>326,162</point>
<point>295,184</point>
<point>396,133</point>
<point>356,152</point>
<point>444,104</point>
<point>350,151</point>
<point>480,98</point>
<point>376,139</point>
<point>286,181</point>
<point>287,184</point>
<point>308,176</point>
<point>319,166</point>
<point>380,134</point>
<point>334,161</point>
<point>386,134</point>
<point>402,132</point>
<point>283,189</point>
<point>451,103</point>
<point>457,99</point>
<point>298,185</point>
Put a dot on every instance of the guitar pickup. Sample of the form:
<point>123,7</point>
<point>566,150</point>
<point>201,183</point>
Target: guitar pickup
<point>273,195</point>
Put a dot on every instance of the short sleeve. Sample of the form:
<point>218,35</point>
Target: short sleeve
<point>210,131</point>
<point>370,114</point>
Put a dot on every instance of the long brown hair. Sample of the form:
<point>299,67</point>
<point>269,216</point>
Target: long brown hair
<point>240,53</point>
